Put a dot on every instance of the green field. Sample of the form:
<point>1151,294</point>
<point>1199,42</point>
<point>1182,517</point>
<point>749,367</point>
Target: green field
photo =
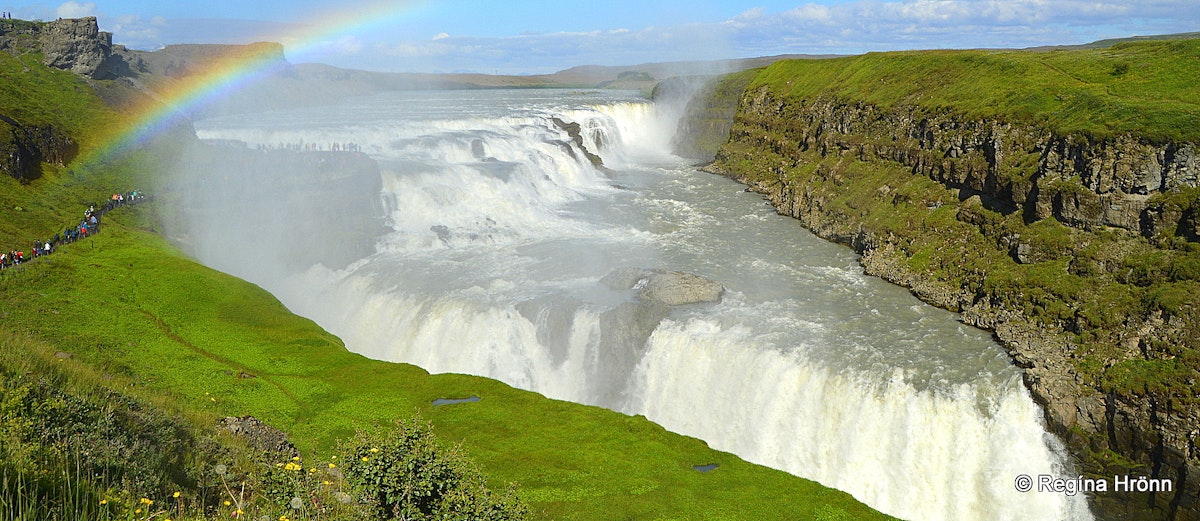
<point>1146,88</point>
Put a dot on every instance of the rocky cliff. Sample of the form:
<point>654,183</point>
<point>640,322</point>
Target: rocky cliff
<point>72,44</point>
<point>77,45</point>
<point>1076,248</point>
<point>23,148</point>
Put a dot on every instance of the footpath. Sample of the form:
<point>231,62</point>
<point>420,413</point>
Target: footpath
<point>87,227</point>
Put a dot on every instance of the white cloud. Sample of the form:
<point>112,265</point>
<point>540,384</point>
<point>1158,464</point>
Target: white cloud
<point>75,9</point>
<point>440,36</point>
<point>874,25</point>
<point>135,31</point>
<point>349,45</point>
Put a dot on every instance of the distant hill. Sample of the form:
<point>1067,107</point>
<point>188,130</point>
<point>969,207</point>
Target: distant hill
<point>1111,42</point>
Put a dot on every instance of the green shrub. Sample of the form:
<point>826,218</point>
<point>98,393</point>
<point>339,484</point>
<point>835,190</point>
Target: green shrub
<point>406,474</point>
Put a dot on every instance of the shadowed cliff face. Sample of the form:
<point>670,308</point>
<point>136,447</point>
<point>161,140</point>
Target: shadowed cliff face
<point>903,184</point>
<point>24,148</point>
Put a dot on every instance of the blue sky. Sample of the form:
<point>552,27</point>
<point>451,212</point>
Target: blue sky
<point>533,37</point>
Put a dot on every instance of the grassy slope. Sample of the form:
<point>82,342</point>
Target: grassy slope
<point>1148,88</point>
<point>126,303</point>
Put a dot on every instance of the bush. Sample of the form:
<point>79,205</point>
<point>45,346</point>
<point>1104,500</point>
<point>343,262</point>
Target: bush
<point>406,474</point>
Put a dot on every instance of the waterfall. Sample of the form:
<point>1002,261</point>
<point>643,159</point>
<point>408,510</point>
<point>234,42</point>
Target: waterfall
<point>500,231</point>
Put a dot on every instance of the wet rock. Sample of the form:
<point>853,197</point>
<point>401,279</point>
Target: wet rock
<point>673,288</point>
<point>575,131</point>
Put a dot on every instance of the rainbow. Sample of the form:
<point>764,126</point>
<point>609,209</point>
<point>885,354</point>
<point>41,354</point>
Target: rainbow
<point>173,102</point>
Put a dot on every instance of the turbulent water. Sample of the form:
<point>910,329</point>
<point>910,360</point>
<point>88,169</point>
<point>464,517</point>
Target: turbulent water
<point>500,231</point>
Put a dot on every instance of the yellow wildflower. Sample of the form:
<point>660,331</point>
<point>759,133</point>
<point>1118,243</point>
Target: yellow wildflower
<point>103,501</point>
<point>146,502</point>
<point>331,465</point>
<point>374,449</point>
<point>226,503</point>
<point>138,511</point>
<point>295,458</point>
<point>365,459</point>
<point>175,495</point>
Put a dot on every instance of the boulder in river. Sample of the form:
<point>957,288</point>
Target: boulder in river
<point>673,288</point>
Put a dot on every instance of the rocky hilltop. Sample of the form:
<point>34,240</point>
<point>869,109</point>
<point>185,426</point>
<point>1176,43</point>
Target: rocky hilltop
<point>71,44</point>
<point>1067,225</point>
<point>28,139</point>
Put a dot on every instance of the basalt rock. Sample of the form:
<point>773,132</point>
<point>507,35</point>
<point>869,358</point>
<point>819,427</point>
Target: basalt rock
<point>23,148</point>
<point>71,44</point>
<point>673,288</point>
<point>259,435</point>
<point>78,45</point>
<point>575,132</point>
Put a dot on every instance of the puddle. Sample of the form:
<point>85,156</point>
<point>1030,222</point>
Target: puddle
<point>452,401</point>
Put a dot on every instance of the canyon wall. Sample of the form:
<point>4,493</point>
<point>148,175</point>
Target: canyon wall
<point>1077,250</point>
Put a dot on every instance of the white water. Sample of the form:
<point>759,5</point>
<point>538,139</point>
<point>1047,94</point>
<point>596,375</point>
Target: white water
<point>492,268</point>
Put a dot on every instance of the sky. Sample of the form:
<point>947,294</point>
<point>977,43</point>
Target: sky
<point>539,37</point>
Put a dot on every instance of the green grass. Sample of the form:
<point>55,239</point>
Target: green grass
<point>35,95</point>
<point>1147,88</point>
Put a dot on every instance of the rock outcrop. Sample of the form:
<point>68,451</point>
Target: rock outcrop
<point>77,45</point>
<point>1080,181</point>
<point>71,44</point>
<point>575,132</point>
<point>258,435</point>
<point>23,148</point>
<point>672,288</point>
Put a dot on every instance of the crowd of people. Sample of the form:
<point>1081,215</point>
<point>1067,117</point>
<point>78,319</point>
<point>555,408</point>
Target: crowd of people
<point>314,147</point>
<point>88,226</point>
